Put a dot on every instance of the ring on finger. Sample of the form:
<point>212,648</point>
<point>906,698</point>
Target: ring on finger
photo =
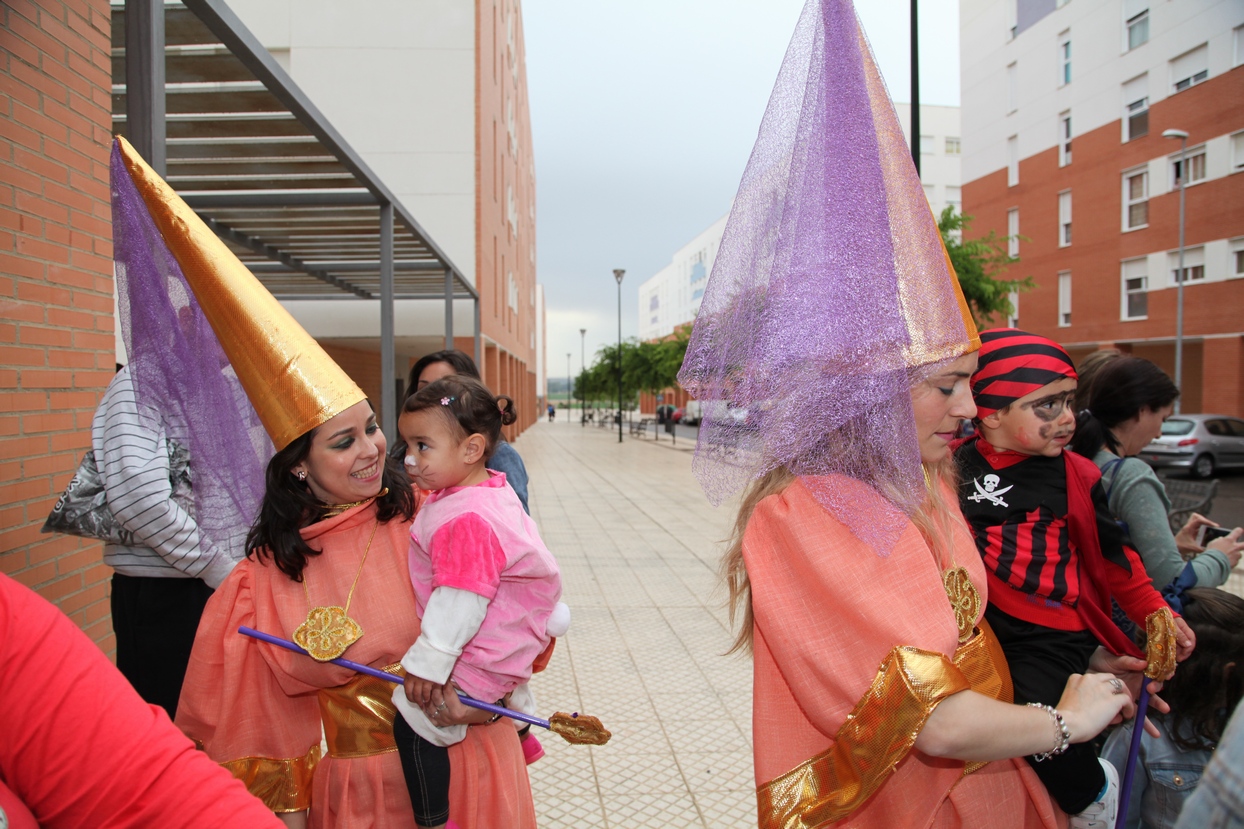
<point>1116,686</point>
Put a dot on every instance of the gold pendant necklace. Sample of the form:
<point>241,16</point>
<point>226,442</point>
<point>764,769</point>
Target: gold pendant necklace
<point>965,599</point>
<point>328,631</point>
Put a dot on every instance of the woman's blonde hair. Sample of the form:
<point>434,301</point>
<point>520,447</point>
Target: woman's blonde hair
<point>934,520</point>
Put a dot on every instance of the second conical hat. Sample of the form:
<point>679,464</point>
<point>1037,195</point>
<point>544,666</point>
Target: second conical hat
<point>292,383</point>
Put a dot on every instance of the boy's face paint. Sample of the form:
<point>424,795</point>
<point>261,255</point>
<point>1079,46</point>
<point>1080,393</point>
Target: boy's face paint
<point>1039,423</point>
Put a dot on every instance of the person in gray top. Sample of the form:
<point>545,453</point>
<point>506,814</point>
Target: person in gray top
<point>1127,400</point>
<point>434,366</point>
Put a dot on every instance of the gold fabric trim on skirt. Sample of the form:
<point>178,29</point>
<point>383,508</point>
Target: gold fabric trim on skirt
<point>284,785</point>
<point>358,716</point>
<point>880,731</point>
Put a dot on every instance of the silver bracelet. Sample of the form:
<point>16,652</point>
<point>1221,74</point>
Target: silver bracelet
<point>1062,735</point>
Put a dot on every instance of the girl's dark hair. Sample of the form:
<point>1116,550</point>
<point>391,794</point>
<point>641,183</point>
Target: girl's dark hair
<point>1208,685</point>
<point>467,406</point>
<point>289,505</point>
<point>460,360</point>
<point>1117,393</point>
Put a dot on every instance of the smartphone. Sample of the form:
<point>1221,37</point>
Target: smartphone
<point>1207,534</point>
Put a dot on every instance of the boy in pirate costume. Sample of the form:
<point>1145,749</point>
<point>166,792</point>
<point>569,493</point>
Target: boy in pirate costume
<point>1054,557</point>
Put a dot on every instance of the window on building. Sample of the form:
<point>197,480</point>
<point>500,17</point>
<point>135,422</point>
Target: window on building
<point>1237,152</point>
<point>1064,299</point>
<point>1012,319</point>
<point>1012,87</point>
<point>1064,218</point>
<point>1239,45</point>
<point>1135,275</point>
<point>1012,232</point>
<point>1136,15</point>
<point>1194,160</point>
<point>1012,161</point>
<point>1135,199</point>
<point>1194,265</point>
<point>1190,68</point>
<point>1064,138</point>
<point>954,198</point>
<point>1012,18</point>
<point>1136,108</point>
<point>952,145</point>
<point>926,145</point>
<point>1237,258</point>
<point>1064,58</point>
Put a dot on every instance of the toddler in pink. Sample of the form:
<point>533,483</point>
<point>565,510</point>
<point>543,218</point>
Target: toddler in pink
<point>486,587</point>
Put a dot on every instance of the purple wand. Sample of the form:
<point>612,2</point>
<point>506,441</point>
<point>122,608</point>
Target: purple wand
<point>573,728</point>
<point>1133,753</point>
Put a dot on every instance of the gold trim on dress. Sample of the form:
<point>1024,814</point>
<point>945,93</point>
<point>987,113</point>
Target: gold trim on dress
<point>880,731</point>
<point>358,716</point>
<point>283,784</point>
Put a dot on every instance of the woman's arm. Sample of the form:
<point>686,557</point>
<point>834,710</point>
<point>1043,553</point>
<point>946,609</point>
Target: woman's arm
<point>1138,500</point>
<point>970,726</point>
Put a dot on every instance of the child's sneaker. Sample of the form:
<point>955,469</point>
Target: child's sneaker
<point>1103,813</point>
<point>532,750</point>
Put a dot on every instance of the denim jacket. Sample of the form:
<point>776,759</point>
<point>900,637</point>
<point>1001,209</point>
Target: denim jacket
<point>1165,776</point>
<point>1219,802</point>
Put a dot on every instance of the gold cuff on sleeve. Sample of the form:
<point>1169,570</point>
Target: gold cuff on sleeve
<point>284,785</point>
<point>876,736</point>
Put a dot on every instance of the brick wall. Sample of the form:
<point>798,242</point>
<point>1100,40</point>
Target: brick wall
<point>56,306</point>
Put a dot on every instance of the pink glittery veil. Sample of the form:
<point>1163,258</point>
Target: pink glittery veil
<point>831,294</point>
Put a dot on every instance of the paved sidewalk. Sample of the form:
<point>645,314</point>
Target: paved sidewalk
<point>638,545</point>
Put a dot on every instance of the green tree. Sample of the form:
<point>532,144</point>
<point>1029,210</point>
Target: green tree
<point>978,262</point>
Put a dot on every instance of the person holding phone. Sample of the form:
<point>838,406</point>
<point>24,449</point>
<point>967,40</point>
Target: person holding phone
<point>1126,402</point>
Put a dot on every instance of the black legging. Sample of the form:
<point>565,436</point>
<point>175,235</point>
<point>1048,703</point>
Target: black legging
<point>426,769</point>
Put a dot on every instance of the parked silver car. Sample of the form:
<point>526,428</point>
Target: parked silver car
<point>1199,443</point>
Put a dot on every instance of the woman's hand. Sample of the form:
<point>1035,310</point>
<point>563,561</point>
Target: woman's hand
<point>1090,702</point>
<point>1185,539</point>
<point>1231,546</point>
<point>1131,670</point>
<point>453,712</point>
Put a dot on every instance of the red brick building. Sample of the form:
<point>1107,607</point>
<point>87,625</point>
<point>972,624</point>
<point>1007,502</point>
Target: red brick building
<point>1091,185</point>
<point>56,306</point>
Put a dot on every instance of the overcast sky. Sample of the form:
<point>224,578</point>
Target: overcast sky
<point>643,115</point>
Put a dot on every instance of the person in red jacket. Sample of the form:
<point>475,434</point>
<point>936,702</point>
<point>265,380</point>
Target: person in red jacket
<point>79,747</point>
<point>1054,557</point>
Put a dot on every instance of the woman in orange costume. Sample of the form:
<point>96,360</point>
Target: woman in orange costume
<point>326,563</point>
<point>833,321</point>
<point>257,708</point>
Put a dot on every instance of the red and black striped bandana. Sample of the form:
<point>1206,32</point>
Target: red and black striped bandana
<point>1014,363</point>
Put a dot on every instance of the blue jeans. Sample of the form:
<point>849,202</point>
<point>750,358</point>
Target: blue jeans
<point>1218,803</point>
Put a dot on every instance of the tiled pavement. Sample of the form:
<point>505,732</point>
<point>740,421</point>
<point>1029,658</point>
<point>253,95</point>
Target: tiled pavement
<point>638,546</point>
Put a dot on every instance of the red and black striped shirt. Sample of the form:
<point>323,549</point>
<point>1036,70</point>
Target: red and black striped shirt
<point>1017,508</point>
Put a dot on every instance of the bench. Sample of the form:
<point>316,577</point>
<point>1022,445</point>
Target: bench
<point>638,427</point>
<point>1188,497</point>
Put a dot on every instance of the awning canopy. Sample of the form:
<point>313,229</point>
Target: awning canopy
<point>214,113</point>
<point>255,158</point>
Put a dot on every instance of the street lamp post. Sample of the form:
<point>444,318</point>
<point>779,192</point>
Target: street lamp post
<point>618,273</point>
<point>1180,276</point>
<point>582,371</point>
<point>568,409</point>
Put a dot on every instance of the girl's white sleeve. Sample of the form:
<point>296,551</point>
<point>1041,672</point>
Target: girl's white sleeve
<point>450,621</point>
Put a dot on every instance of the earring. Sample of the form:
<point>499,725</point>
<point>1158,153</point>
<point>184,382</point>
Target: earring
<point>302,474</point>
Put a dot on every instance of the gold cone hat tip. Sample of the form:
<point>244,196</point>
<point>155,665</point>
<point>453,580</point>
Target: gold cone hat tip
<point>292,383</point>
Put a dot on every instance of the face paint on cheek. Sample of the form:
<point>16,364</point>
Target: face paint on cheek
<point>1045,431</point>
<point>1048,415</point>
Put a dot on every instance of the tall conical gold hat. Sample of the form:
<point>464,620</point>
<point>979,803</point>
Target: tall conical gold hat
<point>293,385</point>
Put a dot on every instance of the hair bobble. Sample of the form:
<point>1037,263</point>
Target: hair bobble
<point>445,401</point>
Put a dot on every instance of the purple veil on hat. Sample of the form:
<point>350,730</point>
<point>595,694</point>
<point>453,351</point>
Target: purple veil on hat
<point>183,382</point>
<point>831,294</point>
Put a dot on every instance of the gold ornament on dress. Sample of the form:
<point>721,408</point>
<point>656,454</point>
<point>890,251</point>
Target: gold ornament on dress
<point>964,600</point>
<point>328,631</point>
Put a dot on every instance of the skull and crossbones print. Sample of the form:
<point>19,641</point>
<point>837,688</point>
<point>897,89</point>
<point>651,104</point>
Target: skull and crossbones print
<point>990,492</point>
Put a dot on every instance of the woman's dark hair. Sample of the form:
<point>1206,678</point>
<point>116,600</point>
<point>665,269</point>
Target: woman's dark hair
<point>1087,370</point>
<point>1208,685</point>
<point>460,360</point>
<point>289,505</point>
<point>1121,388</point>
<point>467,406</point>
